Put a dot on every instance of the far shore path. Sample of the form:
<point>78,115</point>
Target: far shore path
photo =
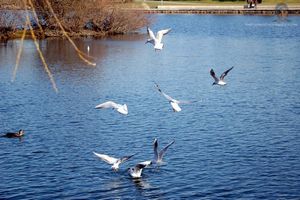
<point>221,9</point>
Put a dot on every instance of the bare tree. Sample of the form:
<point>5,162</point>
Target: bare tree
<point>100,16</point>
<point>80,17</point>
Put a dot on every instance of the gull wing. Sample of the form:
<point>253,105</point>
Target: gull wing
<point>164,94</point>
<point>184,102</point>
<point>142,165</point>
<point>160,34</point>
<point>106,158</point>
<point>151,34</point>
<point>155,145</point>
<point>146,163</point>
<point>225,73</point>
<point>125,158</point>
<point>163,151</point>
<point>212,73</point>
<point>108,104</point>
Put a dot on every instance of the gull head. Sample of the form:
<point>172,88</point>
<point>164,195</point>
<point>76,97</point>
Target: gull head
<point>20,133</point>
<point>130,169</point>
<point>132,173</point>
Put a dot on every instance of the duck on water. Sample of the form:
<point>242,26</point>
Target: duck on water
<point>18,134</point>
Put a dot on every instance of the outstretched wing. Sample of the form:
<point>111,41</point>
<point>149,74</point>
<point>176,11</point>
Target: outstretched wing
<point>184,102</point>
<point>164,94</point>
<point>108,104</point>
<point>212,73</point>
<point>151,34</point>
<point>125,158</point>
<point>106,158</point>
<point>155,146</point>
<point>142,165</point>
<point>146,163</point>
<point>225,73</point>
<point>160,34</point>
<point>163,151</point>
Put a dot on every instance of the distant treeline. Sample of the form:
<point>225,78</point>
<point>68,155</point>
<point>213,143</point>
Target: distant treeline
<point>78,18</point>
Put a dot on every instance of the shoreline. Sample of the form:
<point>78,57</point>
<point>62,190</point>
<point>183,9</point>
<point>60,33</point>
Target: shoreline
<point>224,10</point>
<point>262,10</point>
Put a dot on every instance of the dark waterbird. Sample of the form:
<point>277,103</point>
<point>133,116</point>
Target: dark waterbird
<point>18,134</point>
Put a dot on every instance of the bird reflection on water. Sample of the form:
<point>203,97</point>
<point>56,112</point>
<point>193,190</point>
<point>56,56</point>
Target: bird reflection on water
<point>141,183</point>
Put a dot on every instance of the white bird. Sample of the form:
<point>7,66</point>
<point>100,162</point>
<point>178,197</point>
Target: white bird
<point>136,172</point>
<point>219,81</point>
<point>110,104</point>
<point>156,41</point>
<point>158,156</point>
<point>115,162</point>
<point>173,102</point>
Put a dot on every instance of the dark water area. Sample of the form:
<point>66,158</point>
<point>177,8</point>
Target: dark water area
<point>240,141</point>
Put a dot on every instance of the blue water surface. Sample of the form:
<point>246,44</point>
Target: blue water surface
<point>240,141</point>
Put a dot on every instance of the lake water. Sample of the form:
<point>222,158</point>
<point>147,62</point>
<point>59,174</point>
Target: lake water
<point>241,141</point>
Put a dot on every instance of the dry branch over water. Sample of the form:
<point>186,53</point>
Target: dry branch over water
<point>64,18</point>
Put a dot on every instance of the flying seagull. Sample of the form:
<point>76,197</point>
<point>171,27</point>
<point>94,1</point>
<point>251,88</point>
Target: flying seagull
<point>156,41</point>
<point>158,156</point>
<point>173,102</point>
<point>115,162</point>
<point>136,172</point>
<point>110,104</point>
<point>219,81</point>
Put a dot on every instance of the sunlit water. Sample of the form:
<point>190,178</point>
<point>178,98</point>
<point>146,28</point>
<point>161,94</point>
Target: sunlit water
<point>241,141</point>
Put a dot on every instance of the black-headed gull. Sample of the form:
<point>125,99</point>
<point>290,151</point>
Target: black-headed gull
<point>158,156</point>
<point>110,104</point>
<point>136,172</point>
<point>115,162</point>
<point>156,41</point>
<point>173,102</point>
<point>219,81</point>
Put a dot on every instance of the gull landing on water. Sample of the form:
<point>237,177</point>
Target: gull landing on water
<point>158,156</point>
<point>221,80</point>
<point>110,104</point>
<point>156,41</point>
<point>115,162</point>
<point>136,172</point>
<point>173,102</point>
